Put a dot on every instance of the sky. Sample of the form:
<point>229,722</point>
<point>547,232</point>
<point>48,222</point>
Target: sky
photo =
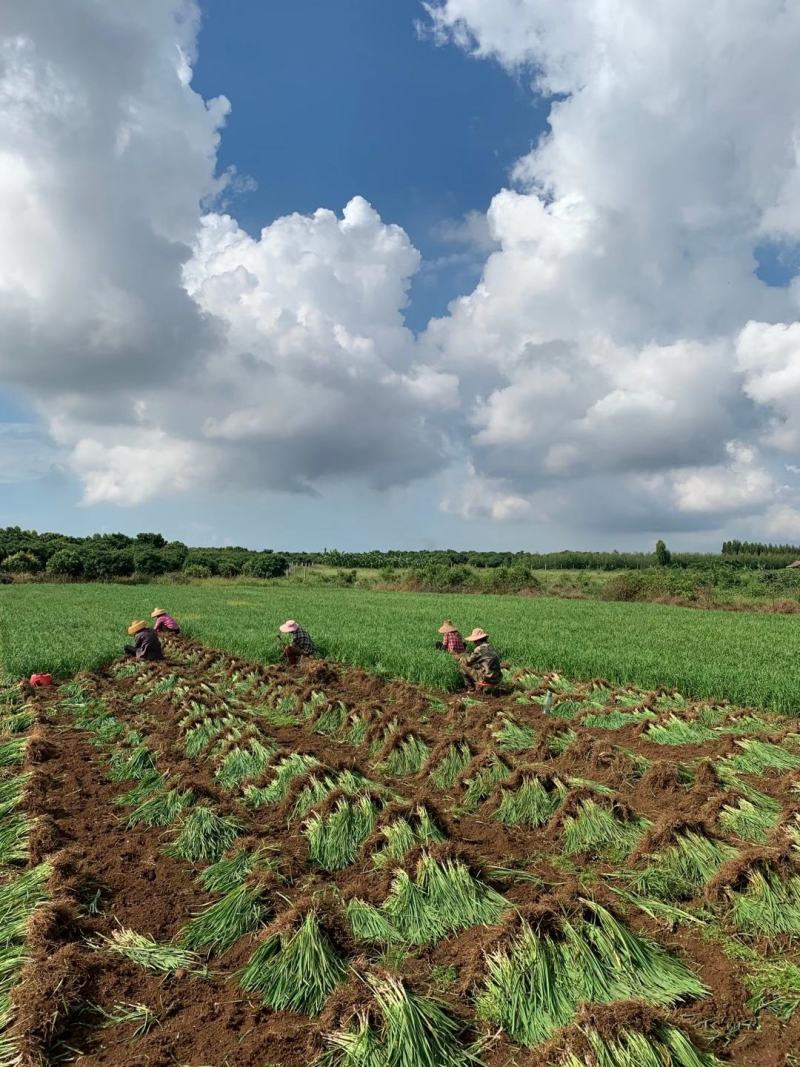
<point>358,274</point>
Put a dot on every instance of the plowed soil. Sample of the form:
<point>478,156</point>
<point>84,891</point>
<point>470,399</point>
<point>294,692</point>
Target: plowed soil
<point>207,1020</point>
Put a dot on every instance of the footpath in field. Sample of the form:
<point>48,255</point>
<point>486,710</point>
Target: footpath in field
<point>211,862</point>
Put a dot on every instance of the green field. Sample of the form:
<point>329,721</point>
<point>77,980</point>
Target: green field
<point>746,658</point>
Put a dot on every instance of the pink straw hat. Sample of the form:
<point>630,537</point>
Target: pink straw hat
<point>477,635</point>
<point>447,627</point>
<point>290,627</point>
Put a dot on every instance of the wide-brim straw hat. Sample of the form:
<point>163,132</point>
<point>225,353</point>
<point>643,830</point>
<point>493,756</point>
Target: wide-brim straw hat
<point>156,612</point>
<point>447,627</point>
<point>136,627</point>
<point>477,635</point>
<point>290,627</point>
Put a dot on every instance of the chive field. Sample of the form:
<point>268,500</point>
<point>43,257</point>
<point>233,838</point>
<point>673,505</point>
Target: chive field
<point>747,658</point>
<point>209,860</point>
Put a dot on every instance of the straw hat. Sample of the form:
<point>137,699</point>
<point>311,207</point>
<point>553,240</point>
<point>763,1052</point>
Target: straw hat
<point>137,627</point>
<point>156,612</point>
<point>290,627</point>
<point>447,627</point>
<point>477,635</point>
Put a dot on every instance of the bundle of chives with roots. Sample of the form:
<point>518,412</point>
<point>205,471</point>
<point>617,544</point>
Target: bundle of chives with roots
<point>290,767</point>
<point>232,870</point>
<point>151,954</point>
<point>446,772</point>
<point>596,829</point>
<point>758,757</point>
<point>769,904</point>
<point>403,834</point>
<point>532,803</point>
<point>482,783</point>
<point>221,924</point>
<point>295,971</point>
<point>407,757</point>
<point>442,898</point>
<point>663,1046</point>
<point>678,731</point>
<point>512,736</point>
<point>679,871</point>
<point>335,839</point>
<point>751,818</point>
<point>401,1029</point>
<point>351,783</point>
<point>161,808</point>
<point>204,836</point>
<point>243,762</point>
<point>537,983</point>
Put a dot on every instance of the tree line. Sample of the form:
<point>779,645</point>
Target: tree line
<point>112,556</point>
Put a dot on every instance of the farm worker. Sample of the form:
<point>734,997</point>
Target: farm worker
<point>164,622</point>
<point>300,644</point>
<point>451,641</point>
<point>146,644</point>
<point>481,668</point>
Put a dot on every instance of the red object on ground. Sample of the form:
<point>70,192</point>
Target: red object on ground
<point>41,679</point>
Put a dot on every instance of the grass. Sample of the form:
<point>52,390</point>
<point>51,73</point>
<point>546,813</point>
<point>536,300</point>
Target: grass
<point>751,818</point>
<point>536,984</point>
<point>407,757</point>
<point>410,1031</point>
<point>242,763</point>
<point>747,658</point>
<point>442,898</point>
<point>296,971</point>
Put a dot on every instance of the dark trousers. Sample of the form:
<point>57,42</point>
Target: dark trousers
<point>292,655</point>
<point>130,650</point>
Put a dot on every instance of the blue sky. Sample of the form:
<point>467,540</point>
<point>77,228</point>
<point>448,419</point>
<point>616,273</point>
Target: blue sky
<point>333,100</point>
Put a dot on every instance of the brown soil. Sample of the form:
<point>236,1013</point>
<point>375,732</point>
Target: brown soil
<point>208,1020</point>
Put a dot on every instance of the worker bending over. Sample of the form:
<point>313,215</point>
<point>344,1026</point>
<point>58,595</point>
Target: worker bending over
<point>451,641</point>
<point>146,644</point>
<point>480,669</point>
<point>300,644</point>
<point>164,622</point>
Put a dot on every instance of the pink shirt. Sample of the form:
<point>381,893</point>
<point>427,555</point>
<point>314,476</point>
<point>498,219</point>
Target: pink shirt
<point>166,622</point>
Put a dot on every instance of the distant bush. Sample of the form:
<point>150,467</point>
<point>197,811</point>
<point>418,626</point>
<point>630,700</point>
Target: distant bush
<point>623,587</point>
<point>22,563</point>
<point>196,570</point>
<point>266,565</point>
<point>66,563</point>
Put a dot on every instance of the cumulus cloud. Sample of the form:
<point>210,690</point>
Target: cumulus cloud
<point>167,349</point>
<point>619,329</point>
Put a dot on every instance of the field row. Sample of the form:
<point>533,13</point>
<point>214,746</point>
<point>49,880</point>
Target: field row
<point>746,658</point>
<point>348,868</point>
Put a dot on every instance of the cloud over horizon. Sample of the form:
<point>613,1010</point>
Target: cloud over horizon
<point>619,365</point>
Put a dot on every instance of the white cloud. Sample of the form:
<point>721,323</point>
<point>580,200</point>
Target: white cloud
<point>609,333</point>
<point>177,351</point>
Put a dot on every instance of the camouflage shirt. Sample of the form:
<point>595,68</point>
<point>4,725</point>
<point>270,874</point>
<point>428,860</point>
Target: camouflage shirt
<point>486,663</point>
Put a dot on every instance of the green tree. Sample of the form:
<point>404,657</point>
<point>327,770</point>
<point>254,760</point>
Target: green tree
<point>66,563</point>
<point>21,563</point>
<point>663,554</point>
